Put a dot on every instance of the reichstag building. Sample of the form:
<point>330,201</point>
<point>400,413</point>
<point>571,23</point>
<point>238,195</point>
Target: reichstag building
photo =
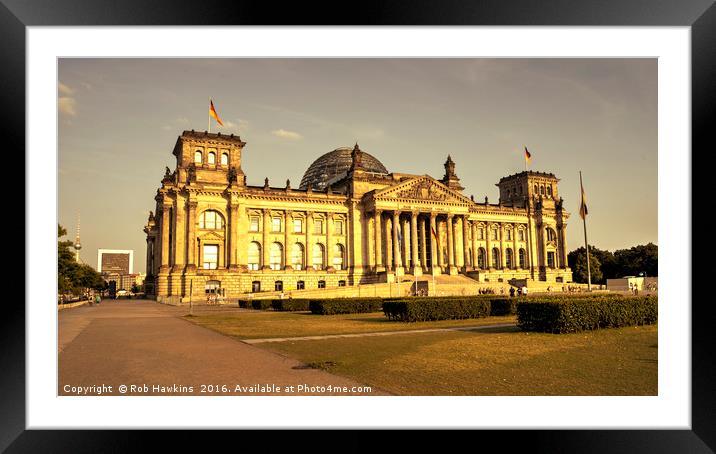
<point>350,221</point>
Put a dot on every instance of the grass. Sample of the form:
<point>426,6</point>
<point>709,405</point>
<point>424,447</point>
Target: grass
<point>268,324</point>
<point>500,361</point>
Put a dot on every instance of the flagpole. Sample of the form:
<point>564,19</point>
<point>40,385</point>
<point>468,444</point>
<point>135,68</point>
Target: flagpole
<point>586,244</point>
<point>208,115</point>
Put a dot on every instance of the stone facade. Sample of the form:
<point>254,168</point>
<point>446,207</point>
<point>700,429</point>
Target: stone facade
<point>351,223</point>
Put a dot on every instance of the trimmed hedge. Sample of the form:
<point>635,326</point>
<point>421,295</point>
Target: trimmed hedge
<point>573,314</point>
<point>503,306</point>
<point>261,305</point>
<point>345,306</point>
<point>292,305</point>
<point>447,308</point>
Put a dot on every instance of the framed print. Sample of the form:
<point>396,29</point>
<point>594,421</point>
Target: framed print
<point>293,226</point>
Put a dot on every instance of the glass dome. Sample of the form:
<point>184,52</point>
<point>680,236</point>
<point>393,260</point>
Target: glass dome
<point>335,163</point>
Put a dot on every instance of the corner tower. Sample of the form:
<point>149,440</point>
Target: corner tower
<point>208,158</point>
<point>529,185</point>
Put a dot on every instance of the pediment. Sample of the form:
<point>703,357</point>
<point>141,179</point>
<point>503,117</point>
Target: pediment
<point>422,188</point>
<point>213,235</point>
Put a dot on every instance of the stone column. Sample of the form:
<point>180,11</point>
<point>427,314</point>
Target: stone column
<point>415,260</point>
<point>308,249</point>
<point>452,269</point>
<point>149,255</point>
<point>265,239</point>
<point>329,242</point>
<point>287,229</point>
<point>389,265</point>
<point>488,246</point>
<point>515,251</point>
<point>396,243</point>
<point>179,234</point>
<point>378,250</point>
<point>543,232</point>
<point>465,244</point>
<point>434,245</point>
<point>233,235</point>
<point>563,243</point>
<point>503,259</point>
<point>407,240</point>
<point>191,238</point>
<point>474,245</point>
<point>166,221</point>
<point>423,244</point>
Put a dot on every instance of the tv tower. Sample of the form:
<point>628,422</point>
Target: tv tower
<point>78,244</point>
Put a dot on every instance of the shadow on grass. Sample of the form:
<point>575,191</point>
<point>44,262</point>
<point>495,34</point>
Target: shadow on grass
<point>323,365</point>
<point>495,330</point>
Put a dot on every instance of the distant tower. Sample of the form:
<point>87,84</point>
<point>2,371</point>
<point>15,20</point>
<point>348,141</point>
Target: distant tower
<point>78,244</point>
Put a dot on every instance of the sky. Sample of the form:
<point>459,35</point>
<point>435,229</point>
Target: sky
<point>119,120</point>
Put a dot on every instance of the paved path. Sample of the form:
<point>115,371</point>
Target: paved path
<point>140,342</point>
<point>379,333</point>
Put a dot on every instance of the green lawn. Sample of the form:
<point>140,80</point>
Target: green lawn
<point>268,324</point>
<point>493,361</point>
<point>502,361</point>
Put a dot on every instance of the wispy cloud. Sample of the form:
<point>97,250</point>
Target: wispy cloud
<point>284,134</point>
<point>67,106</point>
<point>65,90</point>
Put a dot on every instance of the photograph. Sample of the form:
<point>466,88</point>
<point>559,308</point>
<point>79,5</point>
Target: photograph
<point>342,226</point>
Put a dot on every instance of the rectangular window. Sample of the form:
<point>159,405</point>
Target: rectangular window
<point>255,286</point>
<point>339,227</point>
<point>254,224</point>
<point>550,259</point>
<point>522,235</point>
<point>318,227</point>
<point>321,284</point>
<point>276,224</point>
<point>494,234</point>
<point>508,235</point>
<point>297,225</point>
<point>300,285</point>
<point>480,234</point>
<point>211,256</point>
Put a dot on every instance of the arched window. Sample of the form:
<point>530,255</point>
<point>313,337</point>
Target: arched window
<point>224,159</point>
<point>508,258</point>
<point>254,256</point>
<point>536,189</point>
<point>198,157</point>
<point>551,236</point>
<point>549,190</point>
<point>522,258</point>
<point>318,254</point>
<point>276,256</point>
<point>297,256</point>
<point>212,158</point>
<point>541,190</point>
<point>495,258</point>
<point>211,220</point>
<point>481,258</point>
<point>338,257</point>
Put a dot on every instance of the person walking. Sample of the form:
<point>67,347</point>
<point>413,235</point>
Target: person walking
<point>512,292</point>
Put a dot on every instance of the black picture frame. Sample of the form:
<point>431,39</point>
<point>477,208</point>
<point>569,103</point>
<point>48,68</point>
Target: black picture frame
<point>700,15</point>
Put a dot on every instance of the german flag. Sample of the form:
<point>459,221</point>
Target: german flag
<point>213,113</point>
<point>528,156</point>
<point>583,205</point>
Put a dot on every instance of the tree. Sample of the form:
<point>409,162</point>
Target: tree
<point>579,268</point>
<point>73,277</point>
<point>638,259</point>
